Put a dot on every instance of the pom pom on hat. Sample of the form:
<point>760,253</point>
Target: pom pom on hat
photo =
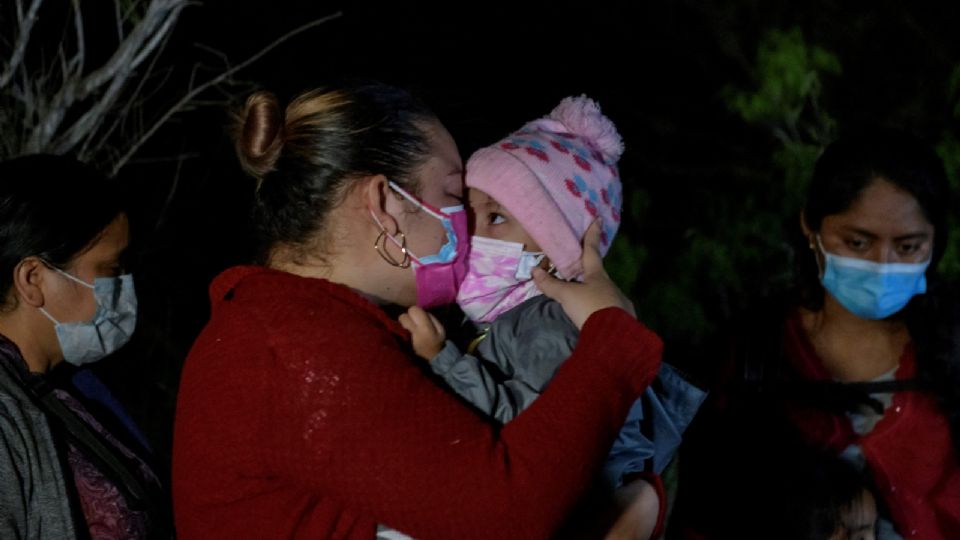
<point>556,175</point>
<point>581,116</point>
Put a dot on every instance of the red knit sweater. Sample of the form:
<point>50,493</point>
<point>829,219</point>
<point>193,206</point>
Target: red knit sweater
<point>909,452</point>
<point>302,412</point>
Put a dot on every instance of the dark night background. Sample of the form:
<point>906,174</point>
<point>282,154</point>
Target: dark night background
<point>710,200</point>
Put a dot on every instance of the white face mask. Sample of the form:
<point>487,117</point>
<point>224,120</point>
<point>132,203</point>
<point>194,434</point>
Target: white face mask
<point>112,324</point>
<point>498,278</point>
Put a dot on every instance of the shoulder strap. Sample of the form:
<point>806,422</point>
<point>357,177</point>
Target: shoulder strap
<point>472,346</point>
<point>763,373</point>
<point>842,396</point>
<point>79,433</point>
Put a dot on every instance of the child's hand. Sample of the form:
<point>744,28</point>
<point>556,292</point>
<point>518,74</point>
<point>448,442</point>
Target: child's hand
<point>426,332</point>
<point>597,291</point>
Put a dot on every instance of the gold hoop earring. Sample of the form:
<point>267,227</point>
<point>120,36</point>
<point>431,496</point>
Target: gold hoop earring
<point>381,246</point>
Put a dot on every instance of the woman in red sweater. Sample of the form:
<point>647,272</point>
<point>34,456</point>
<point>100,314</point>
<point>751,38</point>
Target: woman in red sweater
<point>864,363</point>
<point>303,411</point>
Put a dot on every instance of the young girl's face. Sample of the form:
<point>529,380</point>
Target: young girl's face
<point>859,520</point>
<point>491,220</point>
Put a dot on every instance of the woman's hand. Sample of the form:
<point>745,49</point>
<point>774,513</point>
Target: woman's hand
<point>597,291</point>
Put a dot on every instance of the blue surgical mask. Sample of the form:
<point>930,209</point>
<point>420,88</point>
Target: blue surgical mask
<point>438,275</point>
<point>448,251</point>
<point>872,290</point>
<point>112,324</point>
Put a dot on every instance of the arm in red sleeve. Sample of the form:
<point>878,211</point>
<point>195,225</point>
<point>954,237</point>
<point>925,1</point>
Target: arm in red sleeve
<point>374,432</point>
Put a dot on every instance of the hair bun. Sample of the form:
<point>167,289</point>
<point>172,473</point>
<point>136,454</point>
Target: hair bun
<point>581,116</point>
<point>258,134</point>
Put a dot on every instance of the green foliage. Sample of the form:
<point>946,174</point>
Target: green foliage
<point>679,315</point>
<point>949,151</point>
<point>625,259</point>
<point>133,11</point>
<point>624,262</point>
<point>734,247</point>
<point>949,266</point>
<point>786,102</point>
<point>953,90</point>
<point>794,161</point>
<point>789,72</point>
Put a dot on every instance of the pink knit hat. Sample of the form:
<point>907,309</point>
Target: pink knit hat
<point>555,175</point>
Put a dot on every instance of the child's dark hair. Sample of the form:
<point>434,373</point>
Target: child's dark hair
<point>810,494</point>
<point>790,491</point>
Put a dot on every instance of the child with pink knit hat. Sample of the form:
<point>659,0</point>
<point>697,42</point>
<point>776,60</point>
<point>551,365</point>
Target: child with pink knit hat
<point>533,196</point>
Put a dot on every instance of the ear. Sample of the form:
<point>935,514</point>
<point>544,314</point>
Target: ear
<point>28,278</point>
<point>807,231</point>
<point>376,197</point>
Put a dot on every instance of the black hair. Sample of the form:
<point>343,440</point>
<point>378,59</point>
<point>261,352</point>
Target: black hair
<point>784,487</point>
<point>52,207</point>
<point>850,165</point>
<point>307,157</point>
<point>804,494</point>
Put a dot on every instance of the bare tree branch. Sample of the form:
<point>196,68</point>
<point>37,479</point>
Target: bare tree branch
<point>81,39</point>
<point>113,73</point>
<point>26,28</point>
<point>157,16</point>
<point>72,67</point>
<point>161,34</point>
<point>52,102</point>
<point>134,102</point>
<point>118,19</point>
<point>192,94</point>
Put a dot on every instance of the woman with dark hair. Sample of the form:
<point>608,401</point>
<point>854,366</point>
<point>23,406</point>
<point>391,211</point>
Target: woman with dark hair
<point>68,471</point>
<point>865,361</point>
<point>303,410</point>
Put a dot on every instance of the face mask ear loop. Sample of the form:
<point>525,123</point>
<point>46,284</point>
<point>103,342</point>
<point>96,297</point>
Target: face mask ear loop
<point>525,272</point>
<point>67,275</point>
<point>49,316</point>
<point>420,204</point>
<point>380,244</point>
<point>555,272</point>
<point>821,267</point>
<point>50,265</point>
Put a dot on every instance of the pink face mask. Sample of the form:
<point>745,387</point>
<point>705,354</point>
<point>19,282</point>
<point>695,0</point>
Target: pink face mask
<point>498,278</point>
<point>439,275</point>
